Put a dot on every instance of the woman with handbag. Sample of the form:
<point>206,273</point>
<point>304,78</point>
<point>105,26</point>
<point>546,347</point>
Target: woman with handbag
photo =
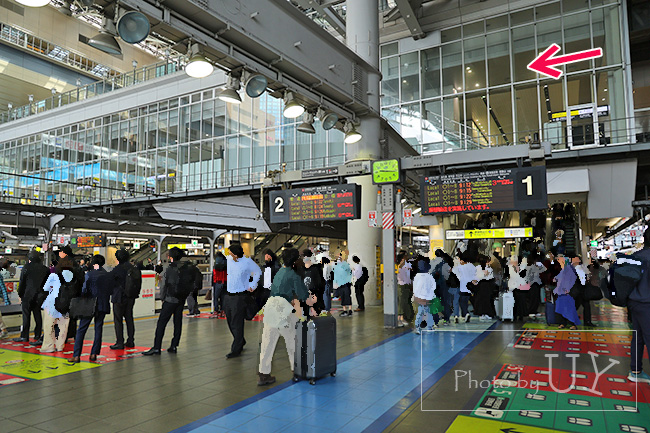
<point>424,287</point>
<point>96,301</point>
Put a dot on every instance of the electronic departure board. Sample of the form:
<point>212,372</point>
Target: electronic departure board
<point>88,241</point>
<point>487,191</point>
<point>321,203</point>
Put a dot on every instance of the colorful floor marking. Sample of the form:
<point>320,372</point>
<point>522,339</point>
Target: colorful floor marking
<point>522,400</point>
<point>603,342</point>
<point>6,379</point>
<point>38,367</point>
<point>106,354</point>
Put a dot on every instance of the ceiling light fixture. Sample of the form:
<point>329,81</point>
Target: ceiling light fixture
<point>230,93</point>
<point>255,84</point>
<point>327,120</point>
<point>197,66</point>
<point>105,40</point>
<point>307,125</point>
<point>133,27</point>
<point>292,108</point>
<point>34,3</point>
<point>351,134</point>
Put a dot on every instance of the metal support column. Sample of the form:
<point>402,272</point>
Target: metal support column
<point>388,259</point>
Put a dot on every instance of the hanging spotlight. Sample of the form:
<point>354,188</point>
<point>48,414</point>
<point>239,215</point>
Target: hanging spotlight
<point>255,85</point>
<point>351,134</point>
<point>105,41</point>
<point>231,92</point>
<point>327,120</point>
<point>292,108</point>
<point>34,3</point>
<point>198,66</point>
<point>65,8</point>
<point>133,27</point>
<point>307,125</point>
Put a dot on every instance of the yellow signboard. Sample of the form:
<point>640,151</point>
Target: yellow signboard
<point>437,244</point>
<point>32,366</point>
<point>179,246</point>
<point>505,233</point>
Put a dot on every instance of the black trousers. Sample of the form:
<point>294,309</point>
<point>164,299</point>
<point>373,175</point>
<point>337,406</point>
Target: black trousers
<point>235,308</point>
<point>358,292</point>
<point>534,295</point>
<point>84,323</point>
<point>168,310</point>
<point>586,308</point>
<point>521,303</point>
<point>29,309</point>
<point>124,312</point>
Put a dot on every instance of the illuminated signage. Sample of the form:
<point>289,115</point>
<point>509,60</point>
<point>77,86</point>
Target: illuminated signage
<point>334,202</point>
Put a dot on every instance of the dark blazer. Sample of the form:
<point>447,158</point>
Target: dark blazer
<point>97,285</point>
<point>117,278</point>
<point>32,280</point>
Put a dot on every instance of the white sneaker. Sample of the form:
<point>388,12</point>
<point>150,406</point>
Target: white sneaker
<point>455,319</point>
<point>416,330</point>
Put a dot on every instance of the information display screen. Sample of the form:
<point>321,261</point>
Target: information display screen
<point>321,203</point>
<point>90,241</point>
<point>487,191</point>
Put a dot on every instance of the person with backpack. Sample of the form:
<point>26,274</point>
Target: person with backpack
<point>193,298</point>
<point>361,277</point>
<point>126,280</point>
<point>32,279</point>
<point>312,276</point>
<point>328,276</point>
<point>240,270</point>
<point>178,280</point>
<point>219,281</point>
<point>638,306</point>
<point>342,282</point>
<point>60,288</point>
<point>95,286</point>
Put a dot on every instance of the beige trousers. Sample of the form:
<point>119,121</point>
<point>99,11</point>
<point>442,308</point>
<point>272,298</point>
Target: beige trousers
<point>2,324</point>
<point>270,337</point>
<point>49,342</point>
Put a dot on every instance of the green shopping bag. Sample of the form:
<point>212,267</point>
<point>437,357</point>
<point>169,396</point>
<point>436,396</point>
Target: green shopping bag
<point>435,306</point>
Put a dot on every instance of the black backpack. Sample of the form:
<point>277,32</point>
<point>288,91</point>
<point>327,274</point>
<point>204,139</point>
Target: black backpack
<point>220,262</point>
<point>180,280</point>
<point>66,293</point>
<point>364,275</point>
<point>624,276</point>
<point>133,283</point>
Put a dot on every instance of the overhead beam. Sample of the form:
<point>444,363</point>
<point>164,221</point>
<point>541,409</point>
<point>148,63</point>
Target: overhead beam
<point>247,34</point>
<point>410,19</point>
<point>325,11</point>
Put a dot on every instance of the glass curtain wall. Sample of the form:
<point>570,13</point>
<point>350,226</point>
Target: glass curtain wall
<point>475,89</point>
<point>186,143</point>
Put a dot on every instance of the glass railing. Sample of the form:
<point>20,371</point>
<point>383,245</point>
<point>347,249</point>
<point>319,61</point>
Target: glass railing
<point>116,82</point>
<point>448,136</point>
<point>44,191</point>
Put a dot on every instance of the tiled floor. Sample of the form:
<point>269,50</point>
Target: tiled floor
<point>387,380</point>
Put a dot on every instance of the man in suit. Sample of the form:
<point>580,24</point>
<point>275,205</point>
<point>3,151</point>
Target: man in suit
<point>122,304</point>
<point>32,279</point>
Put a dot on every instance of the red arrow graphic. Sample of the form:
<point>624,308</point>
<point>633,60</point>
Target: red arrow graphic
<point>543,64</point>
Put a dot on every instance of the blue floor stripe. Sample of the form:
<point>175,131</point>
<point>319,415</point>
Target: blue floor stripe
<point>373,387</point>
<point>393,413</point>
<point>233,408</point>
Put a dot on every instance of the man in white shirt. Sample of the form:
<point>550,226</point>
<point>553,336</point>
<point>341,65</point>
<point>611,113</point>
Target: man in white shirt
<point>466,273</point>
<point>359,283</point>
<point>240,270</point>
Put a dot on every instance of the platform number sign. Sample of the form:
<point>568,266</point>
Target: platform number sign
<point>321,203</point>
<point>487,191</point>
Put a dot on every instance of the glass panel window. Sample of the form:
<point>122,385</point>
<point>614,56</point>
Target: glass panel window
<point>451,34</point>
<point>475,77</point>
<point>496,23</point>
<point>476,118</point>
<point>498,50</point>
<point>411,124</point>
<point>547,10</point>
<point>389,49</point>
<point>527,112</point>
<point>523,47</point>
<point>452,68</point>
<point>430,72</point>
<point>577,38</point>
<point>390,81</point>
<point>607,35</point>
<point>574,5</point>
<point>579,90</point>
<point>432,137</point>
<point>551,101</point>
<point>500,114</point>
<point>521,17</point>
<point>453,115</point>
<point>473,29</point>
<point>410,79</point>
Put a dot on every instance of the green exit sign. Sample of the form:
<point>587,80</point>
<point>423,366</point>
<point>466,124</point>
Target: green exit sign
<point>594,243</point>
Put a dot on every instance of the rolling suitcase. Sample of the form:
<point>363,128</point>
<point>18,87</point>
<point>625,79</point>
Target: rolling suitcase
<point>550,313</point>
<point>505,305</point>
<point>315,354</point>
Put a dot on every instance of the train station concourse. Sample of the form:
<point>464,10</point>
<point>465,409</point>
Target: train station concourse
<point>328,215</point>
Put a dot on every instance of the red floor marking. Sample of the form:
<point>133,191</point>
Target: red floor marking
<point>257,318</point>
<point>6,379</point>
<point>106,354</point>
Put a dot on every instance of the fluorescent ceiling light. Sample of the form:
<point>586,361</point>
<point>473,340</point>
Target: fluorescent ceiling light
<point>34,3</point>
